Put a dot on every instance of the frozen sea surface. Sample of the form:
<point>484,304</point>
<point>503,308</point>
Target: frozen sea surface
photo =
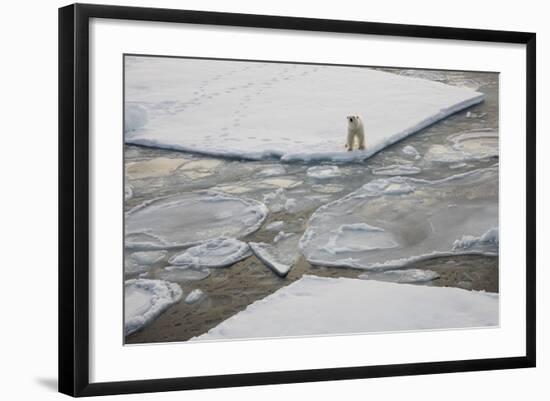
<point>145,300</point>
<point>271,110</point>
<point>218,252</point>
<point>324,306</point>
<point>392,222</point>
<point>190,219</point>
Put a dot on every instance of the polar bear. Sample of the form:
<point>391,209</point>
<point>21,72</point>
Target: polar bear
<point>355,130</point>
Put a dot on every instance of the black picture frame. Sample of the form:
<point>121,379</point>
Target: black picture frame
<point>74,194</point>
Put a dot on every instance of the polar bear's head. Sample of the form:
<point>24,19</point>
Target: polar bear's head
<point>353,121</point>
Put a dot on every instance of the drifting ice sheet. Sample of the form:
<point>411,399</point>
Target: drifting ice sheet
<point>392,222</point>
<point>218,252</point>
<point>279,256</point>
<point>145,300</point>
<point>190,219</point>
<point>327,306</point>
<point>288,111</point>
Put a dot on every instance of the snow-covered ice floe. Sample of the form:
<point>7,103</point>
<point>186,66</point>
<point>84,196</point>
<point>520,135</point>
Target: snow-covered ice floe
<point>191,219</point>
<point>145,300</point>
<point>194,296</point>
<point>139,262</point>
<point>217,252</point>
<point>327,306</point>
<point>402,276</point>
<point>279,256</point>
<point>273,110</point>
<point>395,221</point>
<point>323,172</point>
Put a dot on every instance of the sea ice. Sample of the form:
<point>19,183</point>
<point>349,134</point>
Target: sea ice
<point>402,276</point>
<point>157,167</point>
<point>474,145</point>
<point>139,262</point>
<point>395,221</point>
<point>275,110</point>
<point>327,306</point>
<point>194,296</point>
<point>279,256</point>
<point>275,225</point>
<point>323,172</point>
<point>128,192</point>
<point>217,252</point>
<point>145,300</point>
<point>396,169</point>
<point>191,219</point>
<point>411,151</point>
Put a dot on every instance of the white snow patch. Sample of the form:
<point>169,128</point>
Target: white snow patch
<point>411,151</point>
<point>281,255</point>
<point>328,306</point>
<point>194,296</point>
<point>217,252</point>
<point>311,103</point>
<point>145,300</point>
<point>275,225</point>
<point>135,117</point>
<point>191,219</point>
<point>487,242</point>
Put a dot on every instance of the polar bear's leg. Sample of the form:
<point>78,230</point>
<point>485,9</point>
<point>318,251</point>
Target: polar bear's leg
<point>361,138</point>
<point>349,143</point>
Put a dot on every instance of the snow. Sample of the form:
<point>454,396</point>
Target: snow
<point>217,252</point>
<point>396,169</point>
<point>279,256</point>
<point>411,151</point>
<point>139,262</point>
<point>191,219</point>
<point>275,225</point>
<point>145,300</point>
<point>329,306</point>
<point>128,192</point>
<point>135,117</point>
<point>194,296</point>
<point>488,242</point>
<point>274,110</point>
<point>323,172</point>
<point>402,276</point>
<point>392,222</point>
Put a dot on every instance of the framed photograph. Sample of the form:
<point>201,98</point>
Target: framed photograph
<point>251,199</point>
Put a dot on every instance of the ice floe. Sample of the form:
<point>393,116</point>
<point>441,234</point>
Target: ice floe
<point>194,296</point>
<point>275,225</point>
<point>191,219</point>
<point>139,262</point>
<point>145,300</point>
<point>328,306</point>
<point>395,221</point>
<point>323,172</point>
<point>166,109</point>
<point>279,256</point>
<point>488,242</point>
<point>183,273</point>
<point>396,169</point>
<point>128,192</point>
<point>411,151</point>
<point>135,117</point>
<point>402,276</point>
<point>217,252</point>
<point>474,145</point>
